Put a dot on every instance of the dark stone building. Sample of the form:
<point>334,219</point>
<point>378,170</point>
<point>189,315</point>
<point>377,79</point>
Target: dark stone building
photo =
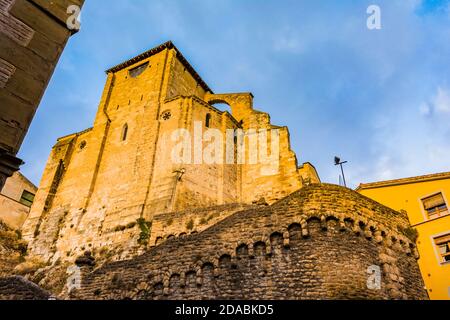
<point>33,34</point>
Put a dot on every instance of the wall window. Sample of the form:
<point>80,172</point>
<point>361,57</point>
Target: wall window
<point>135,72</point>
<point>124,132</point>
<point>435,206</point>
<point>83,145</point>
<point>27,198</point>
<point>443,247</point>
<point>208,120</point>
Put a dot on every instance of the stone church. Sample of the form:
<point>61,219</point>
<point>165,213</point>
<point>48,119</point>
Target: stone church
<point>99,181</point>
<point>206,229</point>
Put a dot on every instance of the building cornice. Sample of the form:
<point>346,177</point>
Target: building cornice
<point>389,183</point>
<point>76,134</point>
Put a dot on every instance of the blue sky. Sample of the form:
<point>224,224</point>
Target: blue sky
<point>379,99</point>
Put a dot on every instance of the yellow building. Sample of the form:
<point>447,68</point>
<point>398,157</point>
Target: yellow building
<point>425,199</point>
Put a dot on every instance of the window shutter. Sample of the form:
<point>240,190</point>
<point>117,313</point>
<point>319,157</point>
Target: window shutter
<point>433,201</point>
<point>442,250</point>
<point>28,196</point>
<point>442,240</point>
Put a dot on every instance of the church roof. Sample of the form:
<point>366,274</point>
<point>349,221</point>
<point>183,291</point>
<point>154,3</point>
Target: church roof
<point>158,49</point>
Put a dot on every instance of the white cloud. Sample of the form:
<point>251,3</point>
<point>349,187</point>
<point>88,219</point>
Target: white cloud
<point>439,154</point>
<point>425,109</point>
<point>406,143</point>
<point>441,102</point>
<point>288,40</point>
<point>384,168</point>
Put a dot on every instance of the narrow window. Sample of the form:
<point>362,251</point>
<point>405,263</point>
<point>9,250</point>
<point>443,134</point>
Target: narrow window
<point>27,198</point>
<point>208,120</point>
<point>435,206</point>
<point>443,246</point>
<point>83,145</point>
<point>124,132</point>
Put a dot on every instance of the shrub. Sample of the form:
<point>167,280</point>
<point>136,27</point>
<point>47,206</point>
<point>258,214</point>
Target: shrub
<point>410,232</point>
<point>145,228</point>
<point>190,225</point>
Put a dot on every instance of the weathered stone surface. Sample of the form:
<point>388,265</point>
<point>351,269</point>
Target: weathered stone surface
<point>18,288</point>
<point>243,256</point>
<point>202,230</point>
<point>85,260</point>
<point>99,183</point>
<point>12,250</point>
<point>6,71</point>
<point>15,29</point>
<point>33,34</point>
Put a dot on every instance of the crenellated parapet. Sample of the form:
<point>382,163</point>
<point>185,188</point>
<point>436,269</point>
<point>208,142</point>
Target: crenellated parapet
<point>166,226</point>
<point>317,243</point>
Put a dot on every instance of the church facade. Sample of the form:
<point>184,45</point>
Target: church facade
<point>116,184</point>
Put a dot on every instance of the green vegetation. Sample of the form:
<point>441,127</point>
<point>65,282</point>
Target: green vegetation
<point>145,228</point>
<point>190,225</point>
<point>411,233</point>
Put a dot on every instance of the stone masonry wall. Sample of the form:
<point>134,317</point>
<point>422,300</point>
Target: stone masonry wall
<point>170,225</point>
<point>261,179</point>
<point>315,244</point>
<point>98,183</point>
<point>18,288</point>
<point>105,178</point>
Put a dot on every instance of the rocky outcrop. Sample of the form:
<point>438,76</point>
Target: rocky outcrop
<point>12,249</point>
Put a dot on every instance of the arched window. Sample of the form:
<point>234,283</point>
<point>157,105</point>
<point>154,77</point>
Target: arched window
<point>124,132</point>
<point>208,120</point>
